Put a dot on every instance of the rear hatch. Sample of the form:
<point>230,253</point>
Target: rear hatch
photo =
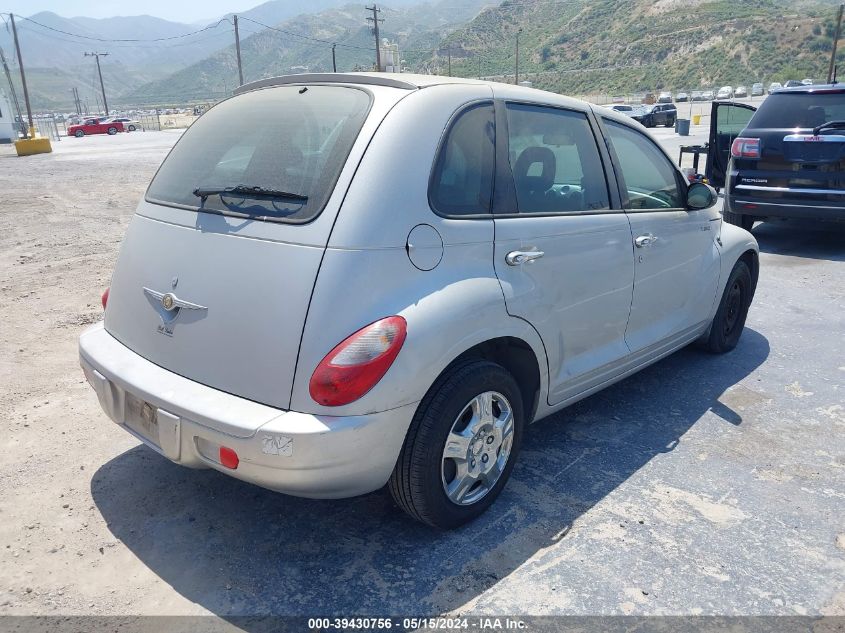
<point>801,148</point>
<point>216,271</point>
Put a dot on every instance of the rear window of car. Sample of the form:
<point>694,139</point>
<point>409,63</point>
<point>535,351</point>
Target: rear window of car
<point>286,145</point>
<point>799,109</point>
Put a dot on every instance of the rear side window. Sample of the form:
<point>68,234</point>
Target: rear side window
<point>462,181</point>
<point>555,161</point>
<point>277,151</point>
<point>803,110</point>
<point>650,178</point>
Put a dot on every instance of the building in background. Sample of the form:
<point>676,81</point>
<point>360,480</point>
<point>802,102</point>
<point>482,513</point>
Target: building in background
<point>390,61</point>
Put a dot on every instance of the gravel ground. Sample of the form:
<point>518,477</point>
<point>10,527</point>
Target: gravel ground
<point>703,485</point>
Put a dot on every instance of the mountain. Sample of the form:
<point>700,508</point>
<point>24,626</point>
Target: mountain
<point>618,46</point>
<point>304,43</point>
<point>53,48</point>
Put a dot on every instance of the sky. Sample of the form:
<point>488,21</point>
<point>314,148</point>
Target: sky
<point>188,11</point>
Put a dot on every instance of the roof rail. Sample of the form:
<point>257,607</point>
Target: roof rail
<point>346,78</point>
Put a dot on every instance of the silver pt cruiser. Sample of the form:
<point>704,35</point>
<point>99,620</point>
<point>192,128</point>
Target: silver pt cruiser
<point>340,281</point>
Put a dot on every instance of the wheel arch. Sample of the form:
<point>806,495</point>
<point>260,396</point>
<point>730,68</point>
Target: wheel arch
<point>518,358</point>
<point>752,260</point>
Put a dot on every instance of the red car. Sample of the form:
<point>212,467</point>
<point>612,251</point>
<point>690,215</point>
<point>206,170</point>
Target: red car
<point>94,126</point>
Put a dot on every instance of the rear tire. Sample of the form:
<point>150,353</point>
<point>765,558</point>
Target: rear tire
<point>446,488</point>
<point>131,128</point>
<point>670,123</point>
<point>739,219</point>
<point>112,131</point>
<point>729,321</point>
<point>79,134</point>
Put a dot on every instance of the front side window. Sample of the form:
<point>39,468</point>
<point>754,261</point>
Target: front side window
<point>555,161</point>
<point>650,178</point>
<point>272,154</point>
<point>462,180</point>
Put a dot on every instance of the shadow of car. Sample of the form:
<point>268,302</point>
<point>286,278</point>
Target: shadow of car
<point>236,549</point>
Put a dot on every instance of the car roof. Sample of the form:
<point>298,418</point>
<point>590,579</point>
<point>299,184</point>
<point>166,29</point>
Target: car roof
<point>410,81</point>
<point>406,81</point>
<point>836,88</point>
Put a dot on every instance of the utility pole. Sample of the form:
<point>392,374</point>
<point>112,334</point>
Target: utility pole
<point>23,78</point>
<point>238,53</point>
<point>100,73</point>
<point>334,59</point>
<point>516,68</point>
<point>76,100</point>
<point>835,42</point>
<point>12,91</point>
<point>375,20</point>
<point>449,58</point>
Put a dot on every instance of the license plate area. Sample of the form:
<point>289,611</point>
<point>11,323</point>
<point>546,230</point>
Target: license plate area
<point>142,418</point>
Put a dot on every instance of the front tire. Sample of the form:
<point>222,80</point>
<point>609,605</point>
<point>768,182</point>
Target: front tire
<point>729,321</point>
<point>112,131</point>
<point>461,446</point>
<point>131,128</point>
<point>79,134</point>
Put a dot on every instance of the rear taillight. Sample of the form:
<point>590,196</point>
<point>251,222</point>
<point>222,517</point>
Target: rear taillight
<point>745,147</point>
<point>354,366</point>
<point>105,298</point>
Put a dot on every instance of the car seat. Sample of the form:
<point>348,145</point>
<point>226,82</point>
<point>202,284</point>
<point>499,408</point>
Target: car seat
<point>533,191</point>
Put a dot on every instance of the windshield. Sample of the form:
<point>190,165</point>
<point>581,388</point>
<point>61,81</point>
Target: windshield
<point>799,110</point>
<point>288,139</point>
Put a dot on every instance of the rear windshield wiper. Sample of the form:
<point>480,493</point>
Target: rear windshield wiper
<point>830,125</point>
<point>247,190</point>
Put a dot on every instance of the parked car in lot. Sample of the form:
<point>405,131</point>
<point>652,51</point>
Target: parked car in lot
<point>682,97</point>
<point>807,82</point>
<point>781,160</point>
<point>775,85</point>
<point>95,126</point>
<point>757,90</point>
<point>707,95</point>
<point>620,107</point>
<point>295,331</point>
<point>130,124</point>
<point>740,93</point>
<point>664,97</point>
<point>725,92</point>
<point>792,83</point>
<point>661,114</point>
<point>697,95</point>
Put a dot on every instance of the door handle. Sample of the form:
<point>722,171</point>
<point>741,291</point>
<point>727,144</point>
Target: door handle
<point>516,258</point>
<point>645,240</point>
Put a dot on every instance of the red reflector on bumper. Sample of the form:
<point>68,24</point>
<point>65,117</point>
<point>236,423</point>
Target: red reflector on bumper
<point>229,458</point>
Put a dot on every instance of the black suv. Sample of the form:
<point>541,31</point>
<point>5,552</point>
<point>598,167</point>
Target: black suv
<point>660,114</point>
<point>785,159</point>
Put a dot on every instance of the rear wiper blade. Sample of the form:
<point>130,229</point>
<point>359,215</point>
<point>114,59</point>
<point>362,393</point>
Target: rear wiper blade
<point>248,190</point>
<point>830,125</point>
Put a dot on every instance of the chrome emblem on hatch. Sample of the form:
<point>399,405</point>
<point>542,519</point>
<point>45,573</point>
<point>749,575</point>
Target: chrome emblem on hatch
<point>169,308</point>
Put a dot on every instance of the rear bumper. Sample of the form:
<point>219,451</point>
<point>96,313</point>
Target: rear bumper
<point>784,208</point>
<point>295,453</point>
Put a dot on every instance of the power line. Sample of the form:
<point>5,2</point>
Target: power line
<point>305,37</point>
<point>154,39</point>
<point>132,46</point>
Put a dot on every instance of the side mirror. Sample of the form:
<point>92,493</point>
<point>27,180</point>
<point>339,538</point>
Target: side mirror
<point>701,196</point>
